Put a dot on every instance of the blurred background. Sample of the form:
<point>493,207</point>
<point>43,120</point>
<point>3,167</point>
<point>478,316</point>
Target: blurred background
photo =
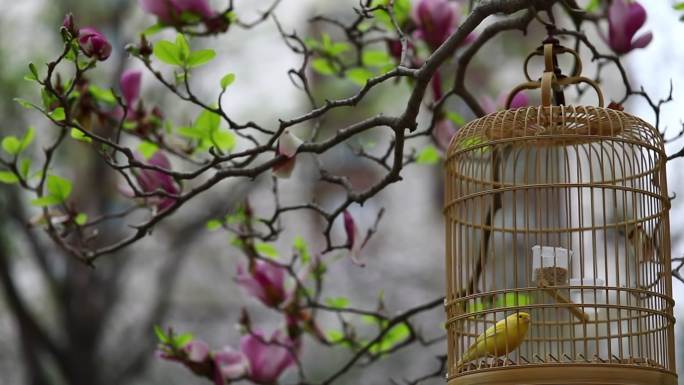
<point>64,323</point>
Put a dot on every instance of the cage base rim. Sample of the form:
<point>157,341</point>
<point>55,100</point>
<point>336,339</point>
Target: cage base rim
<point>569,374</point>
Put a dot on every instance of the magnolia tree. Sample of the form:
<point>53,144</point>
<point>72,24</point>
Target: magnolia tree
<point>424,46</point>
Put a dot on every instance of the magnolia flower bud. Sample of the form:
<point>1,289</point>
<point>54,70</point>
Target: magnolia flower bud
<point>94,44</point>
<point>130,86</point>
<point>625,18</point>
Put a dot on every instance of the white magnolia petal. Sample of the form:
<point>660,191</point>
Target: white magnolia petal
<point>288,144</point>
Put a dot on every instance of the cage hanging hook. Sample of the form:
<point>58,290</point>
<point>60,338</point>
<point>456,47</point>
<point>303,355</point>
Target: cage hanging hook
<point>553,81</point>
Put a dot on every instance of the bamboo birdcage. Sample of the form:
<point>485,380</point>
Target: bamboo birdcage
<point>560,212</point>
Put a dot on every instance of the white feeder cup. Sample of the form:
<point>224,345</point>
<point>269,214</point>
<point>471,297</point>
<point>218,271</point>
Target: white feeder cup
<point>551,265</point>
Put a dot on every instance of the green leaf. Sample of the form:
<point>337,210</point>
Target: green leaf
<point>335,336</point>
<point>338,48</point>
<point>14,146</point>
<point>28,138</point>
<point>326,41</point>
<point>168,53</point>
<point>311,43</point>
<point>359,75</point>
<point>371,320</point>
<point>230,17</point>
<point>402,10</point>
<point>237,242</point>
<point>474,141</point>
<point>81,219</point>
<point>129,125</point>
<point>59,187</point>
<point>302,249</point>
<point>227,80</point>
<point>323,66</point>
<point>11,145</point>
<point>266,249</point>
<point>456,118</point>
<point>8,177</point>
<point>153,29</point>
<point>190,132</point>
<point>183,47</point>
<point>24,103</point>
<point>24,167</point>
<point>319,269</point>
<point>593,5</point>
<point>337,302</point>
<point>103,95</point>
<point>34,71</point>
<point>80,136</point>
<point>47,98</point>
<point>147,149</point>
<point>240,216</point>
<point>394,336</point>
<point>224,140</point>
<point>161,336</point>
<point>198,58</point>
<point>428,155</point>
<point>679,6</point>
<point>214,224</point>
<point>375,58</point>
<point>72,54</point>
<point>48,200</point>
<point>58,114</point>
<point>207,121</point>
<point>181,340</point>
<point>180,77</point>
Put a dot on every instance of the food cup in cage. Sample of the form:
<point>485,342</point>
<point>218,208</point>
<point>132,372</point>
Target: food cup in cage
<point>550,265</point>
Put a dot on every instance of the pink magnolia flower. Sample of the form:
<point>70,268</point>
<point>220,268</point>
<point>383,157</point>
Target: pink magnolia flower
<point>229,364</point>
<point>394,47</point>
<point>130,86</point>
<point>288,144</point>
<point>69,24</point>
<point>94,44</point>
<point>435,21</point>
<point>519,100</point>
<point>625,18</point>
<point>354,241</point>
<point>151,180</point>
<point>197,351</point>
<point>265,281</point>
<point>169,11</point>
<point>268,357</point>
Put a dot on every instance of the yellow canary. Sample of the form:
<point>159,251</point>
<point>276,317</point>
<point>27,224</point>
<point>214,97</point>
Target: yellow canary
<point>500,339</point>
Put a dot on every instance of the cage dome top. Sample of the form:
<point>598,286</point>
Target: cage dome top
<point>551,124</point>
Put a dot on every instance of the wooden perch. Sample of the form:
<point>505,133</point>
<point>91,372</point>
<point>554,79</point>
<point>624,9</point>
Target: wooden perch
<point>574,309</point>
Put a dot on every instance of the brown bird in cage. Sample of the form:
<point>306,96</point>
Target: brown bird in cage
<point>644,244</point>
